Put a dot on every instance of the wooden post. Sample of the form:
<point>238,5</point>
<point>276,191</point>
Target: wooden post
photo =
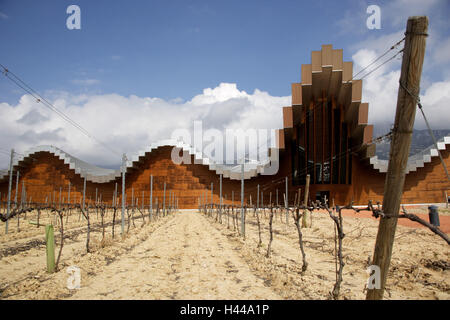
<point>413,55</point>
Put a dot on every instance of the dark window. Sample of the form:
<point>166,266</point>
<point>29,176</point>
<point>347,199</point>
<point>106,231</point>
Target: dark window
<point>322,195</point>
<point>321,148</point>
<point>318,127</point>
<point>344,153</point>
<point>327,144</point>
<point>337,142</point>
<point>310,149</point>
<point>301,154</point>
<point>350,160</point>
<point>294,161</point>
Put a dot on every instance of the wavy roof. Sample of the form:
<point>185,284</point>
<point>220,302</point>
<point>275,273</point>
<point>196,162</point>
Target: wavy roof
<point>102,175</point>
<point>415,161</point>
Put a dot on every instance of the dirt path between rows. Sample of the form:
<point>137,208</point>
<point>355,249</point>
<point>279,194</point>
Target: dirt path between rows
<point>185,259</point>
<point>189,255</point>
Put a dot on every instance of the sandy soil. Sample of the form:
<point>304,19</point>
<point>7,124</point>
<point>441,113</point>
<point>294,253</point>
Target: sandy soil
<point>192,256</point>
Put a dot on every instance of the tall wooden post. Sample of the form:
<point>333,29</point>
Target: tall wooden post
<point>413,55</point>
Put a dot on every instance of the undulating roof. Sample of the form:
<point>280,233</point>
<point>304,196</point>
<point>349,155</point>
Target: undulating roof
<point>101,175</point>
<point>415,161</point>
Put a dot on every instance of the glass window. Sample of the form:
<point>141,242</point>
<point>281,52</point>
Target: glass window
<point>344,153</point>
<point>337,143</point>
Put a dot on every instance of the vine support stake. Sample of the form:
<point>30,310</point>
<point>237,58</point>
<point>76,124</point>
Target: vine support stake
<point>412,62</point>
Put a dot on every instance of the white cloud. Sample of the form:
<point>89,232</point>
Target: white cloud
<point>397,12</point>
<point>380,89</point>
<point>129,124</point>
<point>3,15</point>
<point>442,52</point>
<point>435,106</point>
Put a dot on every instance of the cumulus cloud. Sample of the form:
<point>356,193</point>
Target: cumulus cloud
<point>380,89</point>
<point>32,117</point>
<point>129,124</point>
<point>435,105</point>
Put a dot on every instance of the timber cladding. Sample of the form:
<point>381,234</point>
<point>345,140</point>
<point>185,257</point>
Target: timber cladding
<point>44,177</point>
<point>325,134</point>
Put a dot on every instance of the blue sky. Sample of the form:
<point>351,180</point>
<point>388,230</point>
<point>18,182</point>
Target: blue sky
<point>171,51</point>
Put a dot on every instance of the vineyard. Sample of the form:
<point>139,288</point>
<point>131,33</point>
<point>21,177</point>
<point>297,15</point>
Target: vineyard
<point>314,243</point>
<point>202,254</point>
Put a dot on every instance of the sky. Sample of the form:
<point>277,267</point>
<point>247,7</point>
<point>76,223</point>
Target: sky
<point>138,70</point>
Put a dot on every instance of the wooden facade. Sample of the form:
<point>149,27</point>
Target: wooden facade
<point>325,134</point>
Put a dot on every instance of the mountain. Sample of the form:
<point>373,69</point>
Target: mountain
<point>421,140</point>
